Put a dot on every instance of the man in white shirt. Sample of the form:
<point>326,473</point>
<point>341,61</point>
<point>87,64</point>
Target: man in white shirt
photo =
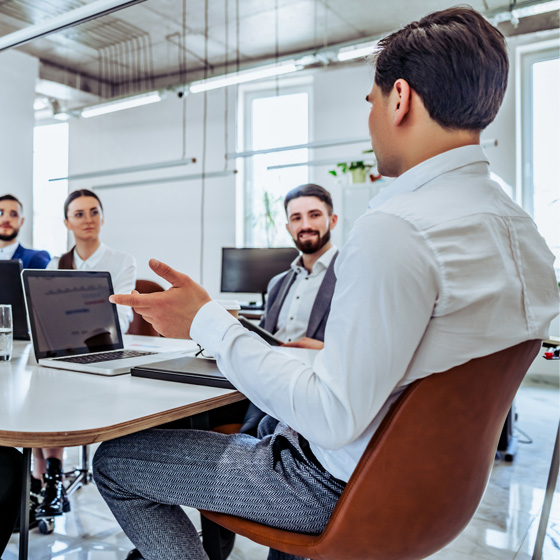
<point>299,300</point>
<point>443,260</point>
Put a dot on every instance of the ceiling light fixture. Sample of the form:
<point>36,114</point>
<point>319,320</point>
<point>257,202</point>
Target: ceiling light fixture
<point>367,156</point>
<point>64,21</point>
<point>132,169</point>
<point>356,51</point>
<point>121,104</point>
<point>522,10</point>
<point>243,76</point>
<point>310,145</point>
<point>159,180</point>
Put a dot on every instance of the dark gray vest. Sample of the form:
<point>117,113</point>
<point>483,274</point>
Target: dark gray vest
<point>279,288</point>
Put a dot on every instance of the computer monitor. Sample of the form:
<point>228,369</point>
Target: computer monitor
<point>250,270</point>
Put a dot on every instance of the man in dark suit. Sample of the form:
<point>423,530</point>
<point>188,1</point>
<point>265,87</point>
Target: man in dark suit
<point>11,220</point>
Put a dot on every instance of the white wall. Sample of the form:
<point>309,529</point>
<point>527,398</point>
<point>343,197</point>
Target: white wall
<point>17,92</point>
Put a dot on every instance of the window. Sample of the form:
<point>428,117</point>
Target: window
<point>540,145</point>
<point>272,121</point>
<point>50,159</point>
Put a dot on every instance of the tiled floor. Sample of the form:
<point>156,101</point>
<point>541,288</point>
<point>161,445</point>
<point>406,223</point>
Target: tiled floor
<point>504,527</point>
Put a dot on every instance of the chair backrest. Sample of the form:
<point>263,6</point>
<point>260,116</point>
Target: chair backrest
<point>424,471</point>
<point>138,324</point>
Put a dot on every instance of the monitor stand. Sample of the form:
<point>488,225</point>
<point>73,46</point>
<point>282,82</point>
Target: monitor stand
<point>253,305</point>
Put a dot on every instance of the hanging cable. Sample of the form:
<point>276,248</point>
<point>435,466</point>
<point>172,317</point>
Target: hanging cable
<point>183,78</point>
<point>204,134</point>
<point>326,26</point>
<point>315,22</point>
<point>226,90</point>
<point>276,45</point>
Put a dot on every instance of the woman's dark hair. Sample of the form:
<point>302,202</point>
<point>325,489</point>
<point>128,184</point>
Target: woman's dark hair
<point>77,194</point>
<point>310,189</point>
<point>455,60</point>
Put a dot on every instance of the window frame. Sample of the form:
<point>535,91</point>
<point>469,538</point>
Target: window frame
<point>527,56</point>
<point>245,231</point>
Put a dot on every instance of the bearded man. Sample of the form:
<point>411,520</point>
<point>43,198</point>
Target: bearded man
<point>299,300</point>
<point>11,220</point>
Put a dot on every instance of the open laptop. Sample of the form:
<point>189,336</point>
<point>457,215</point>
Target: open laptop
<point>74,325</point>
<point>11,292</point>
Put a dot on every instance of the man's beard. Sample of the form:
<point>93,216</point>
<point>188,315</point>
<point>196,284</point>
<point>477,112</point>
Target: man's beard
<point>310,246</point>
<point>9,236</point>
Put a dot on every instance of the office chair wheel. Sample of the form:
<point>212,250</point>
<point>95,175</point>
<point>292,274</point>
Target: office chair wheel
<point>46,525</point>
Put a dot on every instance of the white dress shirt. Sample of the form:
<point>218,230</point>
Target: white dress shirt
<point>7,253</point>
<point>122,268</point>
<point>293,318</point>
<point>442,268</point>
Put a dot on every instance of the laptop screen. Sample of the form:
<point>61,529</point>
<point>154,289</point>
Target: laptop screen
<point>70,313</point>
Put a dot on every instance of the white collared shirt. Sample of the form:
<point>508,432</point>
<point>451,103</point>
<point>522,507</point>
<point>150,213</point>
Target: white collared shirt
<point>442,268</point>
<point>294,315</point>
<point>7,253</point>
<point>122,267</point>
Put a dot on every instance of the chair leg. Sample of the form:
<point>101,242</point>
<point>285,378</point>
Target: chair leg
<point>547,503</point>
<point>82,474</point>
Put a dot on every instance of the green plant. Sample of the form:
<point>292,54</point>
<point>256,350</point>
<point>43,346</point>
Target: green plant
<point>358,169</point>
<point>267,218</point>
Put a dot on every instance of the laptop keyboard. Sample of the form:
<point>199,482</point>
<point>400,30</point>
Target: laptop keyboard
<point>105,356</point>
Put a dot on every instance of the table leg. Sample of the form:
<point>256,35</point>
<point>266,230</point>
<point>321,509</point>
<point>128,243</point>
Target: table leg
<point>24,505</point>
<point>549,494</point>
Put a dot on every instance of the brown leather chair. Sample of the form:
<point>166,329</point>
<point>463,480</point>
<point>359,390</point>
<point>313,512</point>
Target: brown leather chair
<point>424,471</point>
<point>138,324</point>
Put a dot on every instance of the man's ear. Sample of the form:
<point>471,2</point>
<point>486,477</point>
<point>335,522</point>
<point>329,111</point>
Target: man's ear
<point>401,100</point>
<point>22,220</point>
<point>333,220</point>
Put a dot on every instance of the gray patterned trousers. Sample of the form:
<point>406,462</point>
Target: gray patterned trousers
<point>272,479</point>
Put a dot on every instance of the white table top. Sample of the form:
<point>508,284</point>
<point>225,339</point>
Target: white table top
<point>42,407</point>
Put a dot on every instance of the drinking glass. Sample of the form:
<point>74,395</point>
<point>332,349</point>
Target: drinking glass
<point>6,332</point>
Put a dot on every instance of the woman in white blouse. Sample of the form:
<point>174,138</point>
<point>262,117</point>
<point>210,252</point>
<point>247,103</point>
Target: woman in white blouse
<point>83,216</point>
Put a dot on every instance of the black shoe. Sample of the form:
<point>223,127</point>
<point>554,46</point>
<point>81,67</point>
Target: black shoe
<point>55,501</point>
<point>134,554</point>
<point>34,500</point>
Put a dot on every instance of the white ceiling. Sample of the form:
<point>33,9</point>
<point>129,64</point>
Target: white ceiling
<point>147,45</point>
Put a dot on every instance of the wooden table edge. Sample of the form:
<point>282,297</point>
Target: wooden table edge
<point>95,435</point>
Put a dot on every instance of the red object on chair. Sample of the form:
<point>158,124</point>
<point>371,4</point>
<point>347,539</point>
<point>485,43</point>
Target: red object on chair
<point>138,324</point>
<point>424,471</point>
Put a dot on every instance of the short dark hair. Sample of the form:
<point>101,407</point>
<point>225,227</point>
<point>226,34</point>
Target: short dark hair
<point>12,197</point>
<point>454,59</point>
<point>77,194</point>
<point>310,189</point>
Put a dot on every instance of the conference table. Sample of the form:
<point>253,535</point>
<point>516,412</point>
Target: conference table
<point>46,407</point>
